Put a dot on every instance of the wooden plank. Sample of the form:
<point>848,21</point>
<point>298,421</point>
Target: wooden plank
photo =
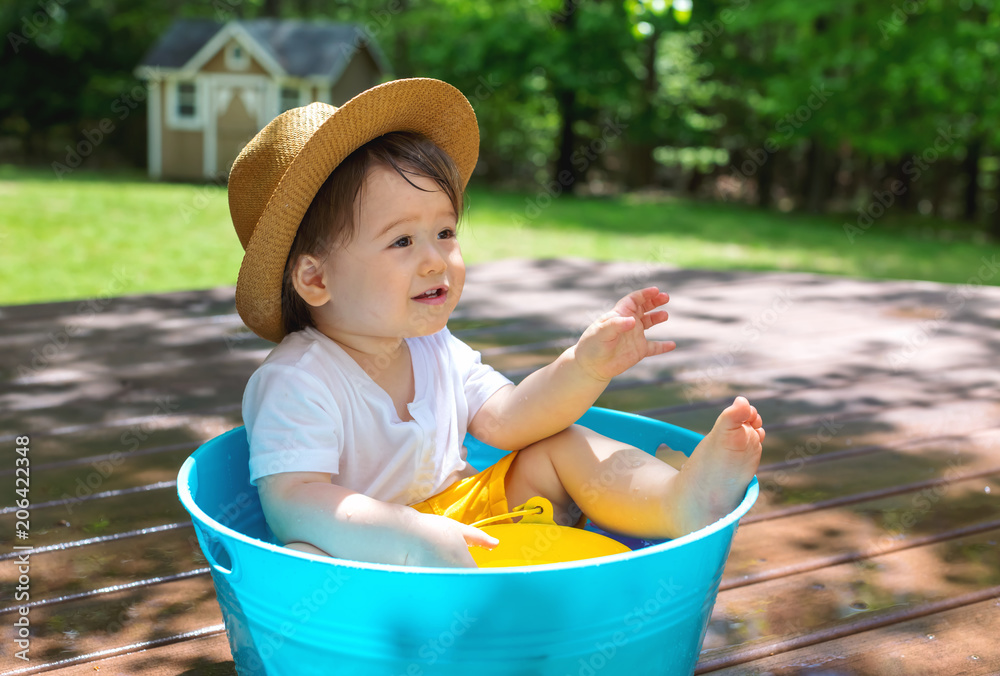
<point>108,562</point>
<point>102,448</point>
<point>49,358</point>
<point>133,616</point>
<point>117,513</point>
<point>113,402</point>
<point>909,463</point>
<point>765,544</point>
<point>796,557</point>
<point>21,319</point>
<point>835,432</point>
<point>838,595</point>
<point>514,287</point>
<point>204,656</point>
<point>71,514</point>
<point>951,637</point>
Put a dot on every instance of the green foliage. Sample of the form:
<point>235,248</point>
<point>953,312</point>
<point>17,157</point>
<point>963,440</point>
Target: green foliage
<point>896,73</point>
<point>513,58</point>
<point>695,84</point>
<point>66,60</point>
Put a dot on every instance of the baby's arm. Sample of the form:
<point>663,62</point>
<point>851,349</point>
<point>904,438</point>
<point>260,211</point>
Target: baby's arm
<point>306,507</point>
<point>554,397</point>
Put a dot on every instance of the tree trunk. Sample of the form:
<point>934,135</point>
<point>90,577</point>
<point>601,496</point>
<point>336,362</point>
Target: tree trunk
<point>942,183</point>
<point>567,175</point>
<point>641,165</point>
<point>400,47</point>
<point>970,166</point>
<point>907,201</point>
<point>814,189</point>
<point>694,182</point>
<point>271,9</point>
<point>765,182</point>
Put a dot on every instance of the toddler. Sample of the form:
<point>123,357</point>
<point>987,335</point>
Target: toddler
<point>349,217</point>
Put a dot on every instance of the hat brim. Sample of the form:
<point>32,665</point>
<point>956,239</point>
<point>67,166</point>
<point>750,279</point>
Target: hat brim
<point>430,107</point>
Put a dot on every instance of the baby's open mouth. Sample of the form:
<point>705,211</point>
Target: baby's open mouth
<point>432,293</point>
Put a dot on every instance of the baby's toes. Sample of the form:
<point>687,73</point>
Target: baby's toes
<point>737,413</point>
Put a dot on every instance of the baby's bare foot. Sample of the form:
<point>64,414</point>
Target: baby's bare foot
<point>716,476</point>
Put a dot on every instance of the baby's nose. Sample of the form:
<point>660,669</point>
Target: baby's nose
<point>434,260</point>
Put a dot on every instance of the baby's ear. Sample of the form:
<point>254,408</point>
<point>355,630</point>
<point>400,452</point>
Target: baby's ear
<point>309,281</point>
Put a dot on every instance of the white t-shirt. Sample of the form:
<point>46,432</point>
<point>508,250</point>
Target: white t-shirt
<point>311,408</point>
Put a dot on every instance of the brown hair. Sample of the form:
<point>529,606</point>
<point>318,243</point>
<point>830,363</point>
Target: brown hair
<point>329,221</point>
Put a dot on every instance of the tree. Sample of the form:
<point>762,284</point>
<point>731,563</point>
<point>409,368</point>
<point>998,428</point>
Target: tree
<point>886,83</point>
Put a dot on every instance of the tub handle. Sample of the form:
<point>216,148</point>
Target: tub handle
<point>218,554</point>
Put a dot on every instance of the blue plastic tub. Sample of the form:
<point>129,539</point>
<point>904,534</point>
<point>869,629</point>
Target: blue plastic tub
<point>640,612</point>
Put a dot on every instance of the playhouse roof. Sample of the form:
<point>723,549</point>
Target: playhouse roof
<point>300,48</point>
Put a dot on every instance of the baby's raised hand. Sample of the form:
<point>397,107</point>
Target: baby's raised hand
<point>616,341</point>
<point>441,542</point>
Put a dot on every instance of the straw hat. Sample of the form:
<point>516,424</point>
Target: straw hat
<point>276,176</point>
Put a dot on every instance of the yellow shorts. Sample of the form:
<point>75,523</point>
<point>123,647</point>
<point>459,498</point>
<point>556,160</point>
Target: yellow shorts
<point>475,497</point>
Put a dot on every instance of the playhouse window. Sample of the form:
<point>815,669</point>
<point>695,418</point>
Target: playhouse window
<point>186,100</point>
<point>237,58</point>
<point>290,98</point>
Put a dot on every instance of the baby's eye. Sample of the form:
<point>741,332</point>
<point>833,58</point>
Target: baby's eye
<point>447,233</point>
<point>402,242</point>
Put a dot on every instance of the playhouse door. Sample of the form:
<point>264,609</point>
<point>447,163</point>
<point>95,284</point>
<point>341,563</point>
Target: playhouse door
<point>237,109</point>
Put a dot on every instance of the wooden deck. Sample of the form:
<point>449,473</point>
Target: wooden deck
<point>873,548</point>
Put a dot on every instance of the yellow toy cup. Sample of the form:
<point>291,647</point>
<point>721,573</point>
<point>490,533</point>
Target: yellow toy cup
<point>537,540</point>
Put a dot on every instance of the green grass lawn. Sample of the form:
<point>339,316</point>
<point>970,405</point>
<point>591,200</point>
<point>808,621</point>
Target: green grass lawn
<point>100,234</point>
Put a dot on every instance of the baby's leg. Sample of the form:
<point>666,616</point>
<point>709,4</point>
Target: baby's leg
<point>626,490</point>
<point>617,486</point>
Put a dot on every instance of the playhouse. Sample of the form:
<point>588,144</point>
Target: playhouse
<point>212,86</point>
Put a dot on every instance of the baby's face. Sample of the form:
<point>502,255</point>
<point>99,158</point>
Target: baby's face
<point>403,273</point>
